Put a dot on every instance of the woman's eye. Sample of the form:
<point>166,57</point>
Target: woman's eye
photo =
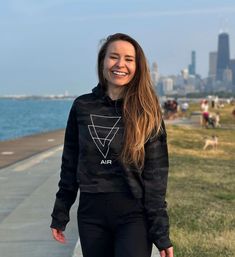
<point>129,60</point>
<point>113,57</point>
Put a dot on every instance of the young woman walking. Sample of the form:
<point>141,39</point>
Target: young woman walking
<point>115,152</point>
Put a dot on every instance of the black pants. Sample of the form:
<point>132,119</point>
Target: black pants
<point>112,225</point>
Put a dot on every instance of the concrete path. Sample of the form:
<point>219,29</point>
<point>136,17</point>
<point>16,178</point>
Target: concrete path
<point>193,121</point>
<point>27,194</point>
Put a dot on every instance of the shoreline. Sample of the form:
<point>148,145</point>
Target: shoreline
<point>35,133</point>
<point>14,150</point>
<point>18,149</point>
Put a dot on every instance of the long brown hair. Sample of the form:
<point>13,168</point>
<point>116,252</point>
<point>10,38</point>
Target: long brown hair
<point>141,110</point>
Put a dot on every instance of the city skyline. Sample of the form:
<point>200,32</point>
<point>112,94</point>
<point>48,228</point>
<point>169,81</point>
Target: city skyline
<point>51,47</point>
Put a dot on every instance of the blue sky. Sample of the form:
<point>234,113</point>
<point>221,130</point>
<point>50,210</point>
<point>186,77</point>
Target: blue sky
<point>50,46</point>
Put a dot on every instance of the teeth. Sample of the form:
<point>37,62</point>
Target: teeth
<point>119,73</point>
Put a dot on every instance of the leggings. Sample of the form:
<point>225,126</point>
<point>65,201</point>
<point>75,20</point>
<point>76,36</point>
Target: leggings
<point>112,225</point>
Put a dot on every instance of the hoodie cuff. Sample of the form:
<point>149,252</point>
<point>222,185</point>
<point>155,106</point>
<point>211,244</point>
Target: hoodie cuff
<point>163,243</point>
<point>57,225</point>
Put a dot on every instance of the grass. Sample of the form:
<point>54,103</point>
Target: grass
<point>225,112</point>
<point>201,191</point>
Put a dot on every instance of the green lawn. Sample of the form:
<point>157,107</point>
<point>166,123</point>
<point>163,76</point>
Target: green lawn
<point>201,190</point>
<point>225,112</point>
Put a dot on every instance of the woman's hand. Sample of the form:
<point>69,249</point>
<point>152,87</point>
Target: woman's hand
<point>167,252</point>
<point>58,235</point>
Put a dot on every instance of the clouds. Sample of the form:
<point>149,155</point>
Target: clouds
<point>29,7</point>
<point>81,11</point>
<point>50,43</point>
<point>152,14</point>
<point>103,9</point>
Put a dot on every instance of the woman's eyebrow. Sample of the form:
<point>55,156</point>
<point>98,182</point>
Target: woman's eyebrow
<point>127,55</point>
<point>113,53</point>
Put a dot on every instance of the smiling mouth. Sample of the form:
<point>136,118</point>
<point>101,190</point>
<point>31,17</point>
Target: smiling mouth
<point>120,73</point>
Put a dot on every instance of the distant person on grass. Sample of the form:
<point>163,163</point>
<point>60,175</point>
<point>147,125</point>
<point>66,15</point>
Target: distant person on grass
<point>115,151</point>
<point>205,113</point>
<point>233,113</point>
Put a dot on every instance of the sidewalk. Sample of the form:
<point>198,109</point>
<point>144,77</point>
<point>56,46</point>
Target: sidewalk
<point>193,121</point>
<point>19,149</point>
<point>27,194</point>
<point>26,208</point>
<point>29,174</point>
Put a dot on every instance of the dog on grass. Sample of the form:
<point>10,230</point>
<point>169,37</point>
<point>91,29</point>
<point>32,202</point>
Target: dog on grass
<point>211,141</point>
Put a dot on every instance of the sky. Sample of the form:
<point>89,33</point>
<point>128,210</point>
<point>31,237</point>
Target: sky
<point>51,46</point>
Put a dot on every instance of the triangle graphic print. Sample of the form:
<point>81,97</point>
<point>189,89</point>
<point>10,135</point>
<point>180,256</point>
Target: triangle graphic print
<point>103,135</point>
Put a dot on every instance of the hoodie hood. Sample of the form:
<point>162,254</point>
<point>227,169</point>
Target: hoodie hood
<point>100,92</point>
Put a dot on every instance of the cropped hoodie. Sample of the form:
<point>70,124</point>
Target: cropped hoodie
<point>92,144</point>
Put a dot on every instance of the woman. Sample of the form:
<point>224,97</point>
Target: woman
<point>115,151</point>
<point>205,113</point>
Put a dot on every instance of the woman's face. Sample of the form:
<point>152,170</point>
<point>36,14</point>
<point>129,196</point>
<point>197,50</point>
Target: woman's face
<point>119,63</point>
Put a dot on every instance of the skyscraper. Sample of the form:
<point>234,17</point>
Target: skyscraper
<point>155,74</point>
<point>223,56</point>
<point>192,66</point>
<point>232,66</point>
<point>212,65</point>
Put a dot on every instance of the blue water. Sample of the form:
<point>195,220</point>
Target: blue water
<point>27,117</point>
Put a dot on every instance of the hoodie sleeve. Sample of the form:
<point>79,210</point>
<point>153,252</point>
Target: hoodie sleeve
<point>68,185</point>
<point>154,177</point>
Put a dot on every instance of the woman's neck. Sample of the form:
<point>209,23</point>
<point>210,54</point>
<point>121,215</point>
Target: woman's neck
<point>114,92</point>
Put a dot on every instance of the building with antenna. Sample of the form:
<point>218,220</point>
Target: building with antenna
<point>223,56</point>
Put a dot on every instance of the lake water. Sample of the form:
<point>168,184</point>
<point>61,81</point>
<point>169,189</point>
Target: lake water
<point>27,117</point>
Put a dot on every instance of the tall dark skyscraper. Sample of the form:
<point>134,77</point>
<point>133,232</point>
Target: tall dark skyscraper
<point>232,67</point>
<point>223,56</point>
<point>192,66</point>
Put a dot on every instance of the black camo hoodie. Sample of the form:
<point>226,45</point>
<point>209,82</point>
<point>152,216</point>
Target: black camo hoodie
<point>93,141</point>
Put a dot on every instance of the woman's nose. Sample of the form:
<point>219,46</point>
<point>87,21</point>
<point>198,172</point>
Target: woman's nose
<point>120,62</point>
